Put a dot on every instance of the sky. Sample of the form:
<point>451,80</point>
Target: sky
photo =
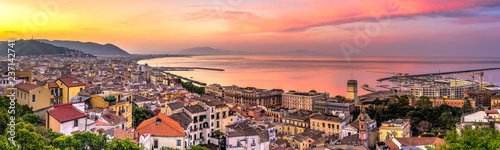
<point>338,27</point>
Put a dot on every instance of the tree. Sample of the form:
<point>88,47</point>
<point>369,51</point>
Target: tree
<point>169,148</point>
<point>198,147</point>
<point>479,138</point>
<point>92,140</point>
<point>403,101</point>
<point>68,142</point>
<point>121,144</point>
<point>31,118</point>
<point>30,140</point>
<point>424,102</point>
<point>424,126</point>
<point>140,114</point>
<point>5,144</point>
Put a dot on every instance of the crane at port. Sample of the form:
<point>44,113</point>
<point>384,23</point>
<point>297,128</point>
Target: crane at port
<point>473,74</point>
<point>399,74</point>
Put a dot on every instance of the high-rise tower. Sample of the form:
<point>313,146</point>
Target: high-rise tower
<point>352,91</point>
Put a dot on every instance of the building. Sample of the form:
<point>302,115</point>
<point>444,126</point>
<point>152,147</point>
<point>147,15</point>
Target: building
<point>483,98</point>
<point>331,106</point>
<point>479,119</point>
<point>204,118</point>
<point>136,137</point>
<point>253,96</point>
<point>295,122</point>
<point>116,101</point>
<point>453,102</point>
<point>55,92</point>
<point>172,108</point>
<point>495,100</point>
<point>32,95</point>
<point>302,100</point>
<point>276,113</point>
<point>398,128</point>
<point>163,131</point>
<point>328,123</point>
<point>414,143</point>
<point>352,91</point>
<point>70,87</point>
<point>243,136</point>
<point>216,89</point>
<point>362,126</point>
<point>66,119</point>
<point>438,92</point>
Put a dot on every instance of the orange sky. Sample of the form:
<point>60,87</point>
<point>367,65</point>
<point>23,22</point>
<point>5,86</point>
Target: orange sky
<point>252,25</point>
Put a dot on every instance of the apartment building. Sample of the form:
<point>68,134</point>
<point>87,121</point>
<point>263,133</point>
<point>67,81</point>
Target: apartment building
<point>302,100</point>
<point>397,128</point>
<point>253,96</point>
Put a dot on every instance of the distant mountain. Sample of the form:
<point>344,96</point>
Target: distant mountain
<point>210,51</point>
<point>299,52</point>
<point>89,47</point>
<point>36,48</point>
<point>213,51</point>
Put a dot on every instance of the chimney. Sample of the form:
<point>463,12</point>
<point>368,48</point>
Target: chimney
<point>158,120</point>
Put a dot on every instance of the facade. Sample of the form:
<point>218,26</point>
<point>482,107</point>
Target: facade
<point>163,131</point>
<point>414,143</point>
<point>302,100</point>
<point>32,95</point>
<point>206,117</point>
<point>330,106</point>
<point>116,101</point>
<point>66,119</point>
<point>241,136</point>
<point>352,91</point>
<point>495,100</point>
<point>70,87</point>
<point>55,92</point>
<point>483,98</point>
<point>329,124</point>
<point>435,92</point>
<point>275,114</point>
<point>295,123</point>
<point>398,128</point>
<point>253,96</point>
<point>363,127</point>
<point>216,89</point>
<point>453,102</point>
<point>172,108</point>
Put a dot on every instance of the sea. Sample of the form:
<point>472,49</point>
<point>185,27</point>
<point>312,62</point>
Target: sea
<point>321,73</point>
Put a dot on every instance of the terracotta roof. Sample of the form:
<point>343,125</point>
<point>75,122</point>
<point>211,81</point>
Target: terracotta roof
<point>165,127</point>
<point>122,134</point>
<point>194,109</point>
<point>392,145</point>
<point>66,112</point>
<point>420,141</point>
<point>71,82</point>
<point>26,86</point>
<point>52,85</point>
<point>491,111</point>
<point>100,123</point>
<point>182,118</point>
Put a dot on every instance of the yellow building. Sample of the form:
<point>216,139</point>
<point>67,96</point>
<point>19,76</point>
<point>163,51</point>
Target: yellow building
<point>495,100</point>
<point>55,92</point>
<point>70,87</point>
<point>293,123</point>
<point>399,128</point>
<point>331,125</point>
<point>116,101</point>
<point>32,95</point>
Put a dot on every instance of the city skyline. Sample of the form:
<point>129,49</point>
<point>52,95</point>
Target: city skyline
<point>423,28</point>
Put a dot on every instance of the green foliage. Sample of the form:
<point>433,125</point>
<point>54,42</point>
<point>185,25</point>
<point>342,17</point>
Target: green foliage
<point>31,118</point>
<point>92,140</point>
<point>424,102</point>
<point>5,144</point>
<point>168,148</point>
<point>127,143</point>
<point>26,139</point>
<point>270,106</point>
<point>191,87</point>
<point>441,117</point>
<point>479,138</point>
<point>140,114</point>
<point>68,142</point>
<point>198,147</point>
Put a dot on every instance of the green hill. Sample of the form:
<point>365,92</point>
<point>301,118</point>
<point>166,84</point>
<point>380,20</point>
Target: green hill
<point>36,48</point>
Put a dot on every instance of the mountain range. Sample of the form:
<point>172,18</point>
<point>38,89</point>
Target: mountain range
<point>88,47</point>
<point>35,48</point>
<point>213,51</point>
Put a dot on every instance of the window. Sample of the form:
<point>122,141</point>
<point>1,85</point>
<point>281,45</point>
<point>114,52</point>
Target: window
<point>218,124</point>
<point>33,98</point>
<point>212,111</point>
<point>212,116</point>
<point>238,143</point>
<point>24,96</point>
<point>212,124</point>
<point>253,142</point>
<point>323,124</point>
<point>338,127</point>
<point>155,143</point>
<point>178,142</point>
<point>75,124</point>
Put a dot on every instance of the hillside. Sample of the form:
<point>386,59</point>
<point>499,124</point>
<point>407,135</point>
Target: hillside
<point>89,47</point>
<point>35,48</point>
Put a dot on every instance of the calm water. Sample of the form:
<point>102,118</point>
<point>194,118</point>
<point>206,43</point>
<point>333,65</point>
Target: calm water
<point>322,73</point>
